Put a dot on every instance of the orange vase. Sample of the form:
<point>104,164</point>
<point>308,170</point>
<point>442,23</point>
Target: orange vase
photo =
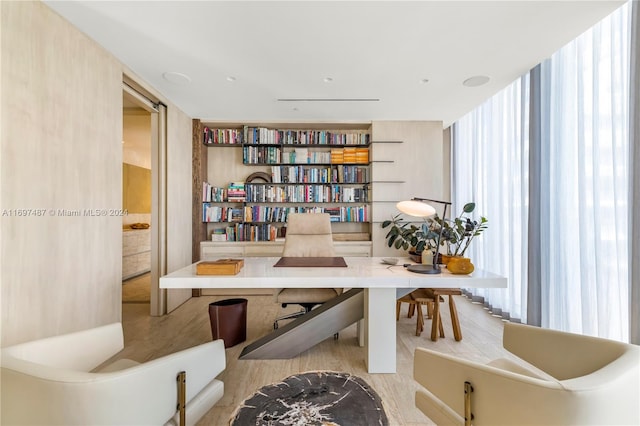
<point>460,265</point>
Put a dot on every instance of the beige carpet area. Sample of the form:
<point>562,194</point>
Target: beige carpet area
<point>137,289</point>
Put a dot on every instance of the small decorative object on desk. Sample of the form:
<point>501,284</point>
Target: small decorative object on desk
<point>460,265</point>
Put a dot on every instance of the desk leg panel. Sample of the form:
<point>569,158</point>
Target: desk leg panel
<point>380,329</point>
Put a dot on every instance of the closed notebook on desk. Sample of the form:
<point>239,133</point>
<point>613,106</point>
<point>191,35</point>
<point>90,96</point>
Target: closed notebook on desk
<point>220,267</point>
<point>308,262</point>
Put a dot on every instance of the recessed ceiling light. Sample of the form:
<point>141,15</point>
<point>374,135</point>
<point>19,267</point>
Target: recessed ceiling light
<point>328,79</point>
<point>231,78</point>
<point>424,81</point>
<point>176,77</point>
<point>476,80</point>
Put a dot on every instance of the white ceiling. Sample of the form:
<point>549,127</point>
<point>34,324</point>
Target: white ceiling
<point>372,50</point>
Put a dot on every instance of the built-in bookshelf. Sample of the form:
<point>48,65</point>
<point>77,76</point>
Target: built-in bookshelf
<point>308,170</point>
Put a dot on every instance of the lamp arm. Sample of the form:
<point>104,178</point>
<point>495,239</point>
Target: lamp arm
<point>436,265</point>
<point>446,203</point>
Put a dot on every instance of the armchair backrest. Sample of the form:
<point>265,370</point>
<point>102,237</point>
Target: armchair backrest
<point>308,235</point>
<point>540,347</point>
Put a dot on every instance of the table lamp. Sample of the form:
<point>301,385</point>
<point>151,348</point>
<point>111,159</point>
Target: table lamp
<point>417,207</point>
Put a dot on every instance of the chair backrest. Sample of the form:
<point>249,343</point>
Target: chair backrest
<point>308,235</point>
<point>536,346</point>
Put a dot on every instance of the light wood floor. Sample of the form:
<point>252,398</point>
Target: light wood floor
<point>137,289</point>
<point>148,337</point>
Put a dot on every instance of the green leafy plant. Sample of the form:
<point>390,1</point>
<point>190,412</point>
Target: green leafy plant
<point>406,235</point>
<point>457,233</point>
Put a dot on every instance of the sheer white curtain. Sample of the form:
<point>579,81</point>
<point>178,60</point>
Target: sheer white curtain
<point>490,168</point>
<point>579,213</point>
<point>584,263</point>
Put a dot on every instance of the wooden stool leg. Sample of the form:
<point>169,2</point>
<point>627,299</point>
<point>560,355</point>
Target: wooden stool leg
<point>398,305</point>
<point>457,332</point>
<point>435,321</point>
<point>412,308</point>
<point>429,310</point>
<point>441,327</point>
<point>420,320</point>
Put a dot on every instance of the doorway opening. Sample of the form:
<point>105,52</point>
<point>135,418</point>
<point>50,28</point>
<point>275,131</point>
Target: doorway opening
<point>136,201</point>
<point>144,171</point>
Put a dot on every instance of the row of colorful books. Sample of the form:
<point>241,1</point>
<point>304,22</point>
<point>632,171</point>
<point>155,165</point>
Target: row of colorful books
<point>233,193</point>
<point>333,174</point>
<point>247,232</point>
<point>275,155</point>
<point>213,213</point>
<point>222,136</point>
<point>212,193</point>
<point>262,135</point>
<point>329,193</point>
<point>280,214</point>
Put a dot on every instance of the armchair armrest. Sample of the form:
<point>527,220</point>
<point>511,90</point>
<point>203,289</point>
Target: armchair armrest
<point>496,392</point>
<point>144,394</point>
<point>83,350</point>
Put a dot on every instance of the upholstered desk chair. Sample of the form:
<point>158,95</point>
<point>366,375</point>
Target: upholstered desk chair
<point>308,235</point>
<point>63,380</point>
<point>566,379</point>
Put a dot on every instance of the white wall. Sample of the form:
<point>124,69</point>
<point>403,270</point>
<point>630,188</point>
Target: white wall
<point>61,148</point>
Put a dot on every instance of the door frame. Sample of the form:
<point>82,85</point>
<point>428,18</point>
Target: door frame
<point>158,229</point>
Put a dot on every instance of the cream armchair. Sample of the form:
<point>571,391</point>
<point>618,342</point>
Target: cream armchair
<point>53,381</point>
<point>571,380</point>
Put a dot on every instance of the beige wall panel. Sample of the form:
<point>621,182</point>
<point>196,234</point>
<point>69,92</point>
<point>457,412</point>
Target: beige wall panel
<point>225,165</point>
<point>61,152</point>
<point>136,134</point>
<point>179,150</point>
<point>136,189</point>
<point>417,167</point>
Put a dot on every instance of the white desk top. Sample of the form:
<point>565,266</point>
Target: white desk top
<point>361,272</point>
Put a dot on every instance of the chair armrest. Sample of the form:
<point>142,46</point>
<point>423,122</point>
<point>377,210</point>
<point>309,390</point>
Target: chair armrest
<point>144,394</point>
<point>82,351</point>
<point>497,392</point>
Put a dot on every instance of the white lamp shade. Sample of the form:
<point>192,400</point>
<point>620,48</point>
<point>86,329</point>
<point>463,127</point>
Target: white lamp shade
<point>416,208</point>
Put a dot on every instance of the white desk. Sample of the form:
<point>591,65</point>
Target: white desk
<point>380,282</point>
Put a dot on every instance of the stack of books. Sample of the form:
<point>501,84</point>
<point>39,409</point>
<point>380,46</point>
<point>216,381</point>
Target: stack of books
<point>236,192</point>
<point>337,156</point>
<point>218,235</point>
<point>349,155</point>
<point>362,155</point>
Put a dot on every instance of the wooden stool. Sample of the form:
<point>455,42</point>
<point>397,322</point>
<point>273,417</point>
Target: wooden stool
<point>431,298</point>
<point>437,321</point>
<point>416,299</point>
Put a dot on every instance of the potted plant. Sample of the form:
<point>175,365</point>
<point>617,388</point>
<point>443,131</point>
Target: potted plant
<point>406,235</point>
<point>457,233</point>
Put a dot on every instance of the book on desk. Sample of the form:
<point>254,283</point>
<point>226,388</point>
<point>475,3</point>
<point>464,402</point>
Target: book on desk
<point>219,267</point>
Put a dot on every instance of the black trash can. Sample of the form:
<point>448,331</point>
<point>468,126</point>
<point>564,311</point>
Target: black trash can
<point>229,321</point>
